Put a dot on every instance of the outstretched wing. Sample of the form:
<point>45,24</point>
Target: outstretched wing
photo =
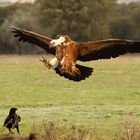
<point>34,38</point>
<point>105,49</point>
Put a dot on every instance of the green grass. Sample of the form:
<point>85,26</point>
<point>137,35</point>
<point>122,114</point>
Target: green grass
<point>110,94</point>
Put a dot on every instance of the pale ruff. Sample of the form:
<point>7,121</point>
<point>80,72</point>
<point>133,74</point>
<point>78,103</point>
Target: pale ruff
<point>59,41</point>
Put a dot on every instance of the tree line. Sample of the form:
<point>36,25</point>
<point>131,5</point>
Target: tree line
<point>82,20</point>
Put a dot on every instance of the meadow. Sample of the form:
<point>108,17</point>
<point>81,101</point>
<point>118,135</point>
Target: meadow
<point>103,101</point>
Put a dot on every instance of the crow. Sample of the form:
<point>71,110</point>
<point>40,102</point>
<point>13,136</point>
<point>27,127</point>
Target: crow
<point>12,120</point>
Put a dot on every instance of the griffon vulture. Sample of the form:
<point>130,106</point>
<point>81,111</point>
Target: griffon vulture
<point>67,51</point>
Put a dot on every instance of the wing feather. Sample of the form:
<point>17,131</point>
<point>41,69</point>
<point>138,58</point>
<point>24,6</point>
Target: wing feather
<point>106,49</point>
<point>85,72</point>
<point>34,38</point>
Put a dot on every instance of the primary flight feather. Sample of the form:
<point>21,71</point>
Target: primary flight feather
<point>66,52</point>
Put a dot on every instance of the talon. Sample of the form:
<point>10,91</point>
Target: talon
<point>50,63</point>
<point>42,59</point>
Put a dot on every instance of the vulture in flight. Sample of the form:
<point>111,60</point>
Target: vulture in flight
<point>66,52</point>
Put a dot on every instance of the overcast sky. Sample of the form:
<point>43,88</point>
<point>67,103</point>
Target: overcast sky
<point>7,0</point>
<point>126,1</point>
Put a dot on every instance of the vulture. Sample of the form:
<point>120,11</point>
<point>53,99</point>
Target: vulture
<point>12,120</point>
<point>66,52</point>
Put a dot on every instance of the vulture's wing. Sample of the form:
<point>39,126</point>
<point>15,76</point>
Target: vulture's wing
<point>34,38</point>
<point>105,49</point>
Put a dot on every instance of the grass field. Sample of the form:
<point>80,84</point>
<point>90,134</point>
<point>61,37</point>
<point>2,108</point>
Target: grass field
<point>104,99</point>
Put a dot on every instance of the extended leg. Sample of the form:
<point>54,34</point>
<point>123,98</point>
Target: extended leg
<point>50,64</point>
<point>17,127</point>
<point>11,131</point>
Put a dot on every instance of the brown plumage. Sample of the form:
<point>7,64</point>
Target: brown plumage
<point>66,52</point>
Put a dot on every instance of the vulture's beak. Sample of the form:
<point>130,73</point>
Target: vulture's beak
<point>53,43</point>
<point>51,46</point>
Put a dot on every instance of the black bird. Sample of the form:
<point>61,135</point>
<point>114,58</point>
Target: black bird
<point>12,120</point>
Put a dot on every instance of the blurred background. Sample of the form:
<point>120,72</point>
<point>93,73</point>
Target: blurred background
<point>82,20</point>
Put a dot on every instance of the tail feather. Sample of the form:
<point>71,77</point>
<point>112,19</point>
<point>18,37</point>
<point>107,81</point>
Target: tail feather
<point>85,72</point>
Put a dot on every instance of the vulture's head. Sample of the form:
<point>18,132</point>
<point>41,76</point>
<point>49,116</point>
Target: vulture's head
<point>62,40</point>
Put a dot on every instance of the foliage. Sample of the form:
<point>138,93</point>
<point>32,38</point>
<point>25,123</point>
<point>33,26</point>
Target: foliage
<point>79,19</point>
<point>5,11</point>
<point>53,131</point>
<point>20,19</point>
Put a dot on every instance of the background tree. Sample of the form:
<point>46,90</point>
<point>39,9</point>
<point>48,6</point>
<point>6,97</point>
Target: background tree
<point>82,20</point>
